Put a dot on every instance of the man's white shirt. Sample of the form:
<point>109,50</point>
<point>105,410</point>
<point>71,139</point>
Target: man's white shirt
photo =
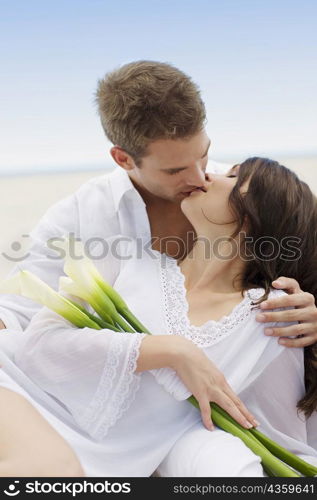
<point>105,206</point>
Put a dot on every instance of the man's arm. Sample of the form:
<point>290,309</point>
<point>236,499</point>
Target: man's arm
<point>17,311</point>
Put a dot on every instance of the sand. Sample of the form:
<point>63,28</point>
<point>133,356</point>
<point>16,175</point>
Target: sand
<point>24,199</point>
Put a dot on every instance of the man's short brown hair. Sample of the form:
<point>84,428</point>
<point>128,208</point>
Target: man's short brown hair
<point>144,101</point>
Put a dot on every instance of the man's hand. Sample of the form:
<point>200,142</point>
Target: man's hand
<point>305,313</point>
<point>2,325</point>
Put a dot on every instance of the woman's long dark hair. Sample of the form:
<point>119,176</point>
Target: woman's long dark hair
<point>279,213</point>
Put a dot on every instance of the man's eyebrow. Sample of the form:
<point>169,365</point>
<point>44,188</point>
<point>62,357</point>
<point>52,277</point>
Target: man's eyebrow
<point>173,169</point>
<point>209,143</point>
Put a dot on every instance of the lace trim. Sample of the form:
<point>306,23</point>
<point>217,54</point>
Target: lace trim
<point>117,387</point>
<point>176,309</point>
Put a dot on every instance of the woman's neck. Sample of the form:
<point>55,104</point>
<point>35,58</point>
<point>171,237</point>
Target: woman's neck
<point>213,265</point>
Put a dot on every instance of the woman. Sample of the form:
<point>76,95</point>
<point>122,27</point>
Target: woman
<point>118,399</point>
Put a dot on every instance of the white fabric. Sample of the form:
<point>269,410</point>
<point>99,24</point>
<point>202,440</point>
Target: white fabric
<point>64,371</point>
<point>212,454</point>
<point>90,372</point>
<point>312,430</point>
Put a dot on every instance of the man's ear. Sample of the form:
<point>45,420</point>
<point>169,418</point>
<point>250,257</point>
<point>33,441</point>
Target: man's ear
<point>122,158</point>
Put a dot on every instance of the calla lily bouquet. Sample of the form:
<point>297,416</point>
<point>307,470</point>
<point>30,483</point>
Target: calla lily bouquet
<point>83,281</point>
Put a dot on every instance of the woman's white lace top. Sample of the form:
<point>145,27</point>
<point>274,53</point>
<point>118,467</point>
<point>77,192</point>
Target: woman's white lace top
<point>176,309</point>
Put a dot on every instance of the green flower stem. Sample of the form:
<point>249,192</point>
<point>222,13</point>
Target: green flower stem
<point>82,323</point>
<point>117,319</point>
<point>101,311</point>
<point>289,458</point>
<point>268,471</point>
<point>93,317</point>
<point>134,322</point>
<point>268,459</point>
<point>279,451</point>
<point>120,305</point>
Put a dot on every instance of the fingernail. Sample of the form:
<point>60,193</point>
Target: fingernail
<point>268,331</point>
<point>260,317</point>
<point>248,424</point>
<point>278,283</point>
<point>263,305</point>
<point>281,341</point>
<point>256,423</point>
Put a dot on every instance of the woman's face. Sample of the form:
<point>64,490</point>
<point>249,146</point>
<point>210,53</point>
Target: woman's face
<point>211,207</point>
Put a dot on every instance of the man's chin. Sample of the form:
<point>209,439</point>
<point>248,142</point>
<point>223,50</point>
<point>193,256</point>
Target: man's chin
<point>182,196</point>
<point>175,198</point>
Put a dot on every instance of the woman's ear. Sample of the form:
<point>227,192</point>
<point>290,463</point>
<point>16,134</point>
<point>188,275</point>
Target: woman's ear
<point>122,158</point>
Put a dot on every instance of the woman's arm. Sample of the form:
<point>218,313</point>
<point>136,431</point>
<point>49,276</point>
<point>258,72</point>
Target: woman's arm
<point>96,373</point>
<point>193,373</point>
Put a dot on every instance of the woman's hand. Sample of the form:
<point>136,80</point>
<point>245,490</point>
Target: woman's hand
<point>207,384</point>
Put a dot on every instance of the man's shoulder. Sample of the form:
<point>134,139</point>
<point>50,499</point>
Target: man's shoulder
<point>96,191</point>
<point>102,184</point>
<point>103,180</point>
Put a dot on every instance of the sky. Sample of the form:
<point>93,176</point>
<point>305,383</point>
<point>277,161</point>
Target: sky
<point>254,61</point>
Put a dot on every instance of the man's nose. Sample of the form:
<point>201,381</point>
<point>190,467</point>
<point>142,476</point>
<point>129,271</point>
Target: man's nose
<point>196,177</point>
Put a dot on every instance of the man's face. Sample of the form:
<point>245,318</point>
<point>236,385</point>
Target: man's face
<point>173,168</point>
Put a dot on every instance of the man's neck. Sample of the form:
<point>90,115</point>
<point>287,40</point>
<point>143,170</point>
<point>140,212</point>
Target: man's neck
<point>152,200</point>
<point>171,231</point>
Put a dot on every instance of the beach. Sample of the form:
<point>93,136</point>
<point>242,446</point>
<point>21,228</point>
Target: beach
<point>25,199</point>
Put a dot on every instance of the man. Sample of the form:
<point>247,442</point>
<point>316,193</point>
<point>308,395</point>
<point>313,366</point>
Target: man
<point>154,116</point>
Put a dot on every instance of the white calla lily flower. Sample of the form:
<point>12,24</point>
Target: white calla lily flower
<point>90,285</point>
<point>30,286</point>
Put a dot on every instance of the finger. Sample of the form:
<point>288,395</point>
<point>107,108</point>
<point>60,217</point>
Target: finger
<point>241,407</point>
<point>301,342</point>
<point>288,316</point>
<point>290,331</point>
<point>296,300</point>
<point>205,411</point>
<point>288,284</point>
<point>227,404</point>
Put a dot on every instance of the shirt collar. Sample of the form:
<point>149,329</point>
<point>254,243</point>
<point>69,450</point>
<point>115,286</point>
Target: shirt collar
<point>121,184</point>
